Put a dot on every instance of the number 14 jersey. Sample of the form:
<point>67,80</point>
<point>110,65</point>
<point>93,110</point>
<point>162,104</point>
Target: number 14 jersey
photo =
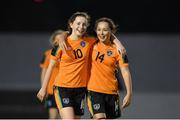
<point>104,62</point>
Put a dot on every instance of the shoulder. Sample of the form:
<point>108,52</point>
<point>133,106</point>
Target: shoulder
<point>113,48</point>
<point>90,40</point>
<point>116,51</point>
<point>55,50</point>
<point>48,51</point>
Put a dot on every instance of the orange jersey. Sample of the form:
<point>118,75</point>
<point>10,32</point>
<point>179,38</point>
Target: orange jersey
<point>104,61</point>
<point>44,64</point>
<point>74,63</point>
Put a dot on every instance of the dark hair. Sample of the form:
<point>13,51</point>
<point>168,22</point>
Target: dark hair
<point>110,22</point>
<point>73,17</point>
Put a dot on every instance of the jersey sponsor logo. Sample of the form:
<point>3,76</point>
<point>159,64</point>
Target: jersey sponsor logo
<point>83,44</point>
<point>109,52</point>
<point>96,106</point>
<point>65,100</point>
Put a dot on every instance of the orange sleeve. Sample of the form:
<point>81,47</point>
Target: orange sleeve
<point>56,53</point>
<point>122,60</point>
<point>45,59</point>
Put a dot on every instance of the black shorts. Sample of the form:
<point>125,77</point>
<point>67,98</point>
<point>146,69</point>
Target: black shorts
<point>50,102</point>
<point>70,97</point>
<point>104,103</point>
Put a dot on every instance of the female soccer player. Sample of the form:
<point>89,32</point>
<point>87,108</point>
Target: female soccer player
<point>71,80</point>
<point>103,99</point>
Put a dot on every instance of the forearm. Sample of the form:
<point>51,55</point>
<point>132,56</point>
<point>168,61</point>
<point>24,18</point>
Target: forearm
<point>42,75</point>
<point>47,75</point>
<point>127,80</point>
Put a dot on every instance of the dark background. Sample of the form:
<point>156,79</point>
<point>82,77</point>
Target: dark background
<point>149,29</point>
<point>131,15</point>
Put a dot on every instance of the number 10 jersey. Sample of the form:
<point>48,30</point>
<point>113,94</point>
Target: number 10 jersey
<point>73,63</point>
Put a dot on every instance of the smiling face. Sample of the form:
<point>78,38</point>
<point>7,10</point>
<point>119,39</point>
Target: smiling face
<point>103,31</point>
<point>79,26</point>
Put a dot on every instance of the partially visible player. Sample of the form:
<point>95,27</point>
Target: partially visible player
<point>50,103</point>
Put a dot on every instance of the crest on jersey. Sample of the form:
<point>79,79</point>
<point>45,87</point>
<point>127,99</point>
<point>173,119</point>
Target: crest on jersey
<point>96,106</point>
<point>65,100</point>
<point>109,52</point>
<point>83,44</point>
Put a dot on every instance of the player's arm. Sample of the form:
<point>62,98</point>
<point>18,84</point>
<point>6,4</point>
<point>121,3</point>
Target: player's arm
<point>43,66</point>
<point>128,85</point>
<point>119,45</point>
<point>43,71</point>
<point>42,92</point>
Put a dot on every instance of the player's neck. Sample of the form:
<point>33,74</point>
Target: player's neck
<point>106,42</point>
<point>74,37</point>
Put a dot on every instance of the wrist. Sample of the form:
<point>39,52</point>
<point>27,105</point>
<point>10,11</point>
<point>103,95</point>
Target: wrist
<point>129,93</point>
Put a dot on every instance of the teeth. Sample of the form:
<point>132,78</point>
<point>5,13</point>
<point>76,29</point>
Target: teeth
<point>101,37</point>
<point>80,31</point>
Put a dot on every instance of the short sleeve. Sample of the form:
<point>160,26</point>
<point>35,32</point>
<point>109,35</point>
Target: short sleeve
<point>122,60</point>
<point>45,59</point>
<point>56,53</point>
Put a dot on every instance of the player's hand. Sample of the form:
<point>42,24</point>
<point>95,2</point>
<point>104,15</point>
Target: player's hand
<point>126,101</point>
<point>41,94</point>
<point>121,50</point>
<point>62,41</point>
<point>62,45</point>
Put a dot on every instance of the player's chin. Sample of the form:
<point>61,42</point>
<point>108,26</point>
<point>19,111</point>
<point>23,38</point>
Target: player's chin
<point>80,34</point>
<point>102,40</point>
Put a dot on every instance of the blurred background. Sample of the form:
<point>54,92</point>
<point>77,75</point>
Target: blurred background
<point>149,29</point>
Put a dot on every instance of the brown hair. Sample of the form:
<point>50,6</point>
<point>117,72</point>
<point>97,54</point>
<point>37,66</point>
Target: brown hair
<point>110,22</point>
<point>77,14</point>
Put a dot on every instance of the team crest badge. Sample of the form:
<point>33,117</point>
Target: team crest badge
<point>65,100</point>
<point>83,43</point>
<point>109,53</point>
<point>96,106</point>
